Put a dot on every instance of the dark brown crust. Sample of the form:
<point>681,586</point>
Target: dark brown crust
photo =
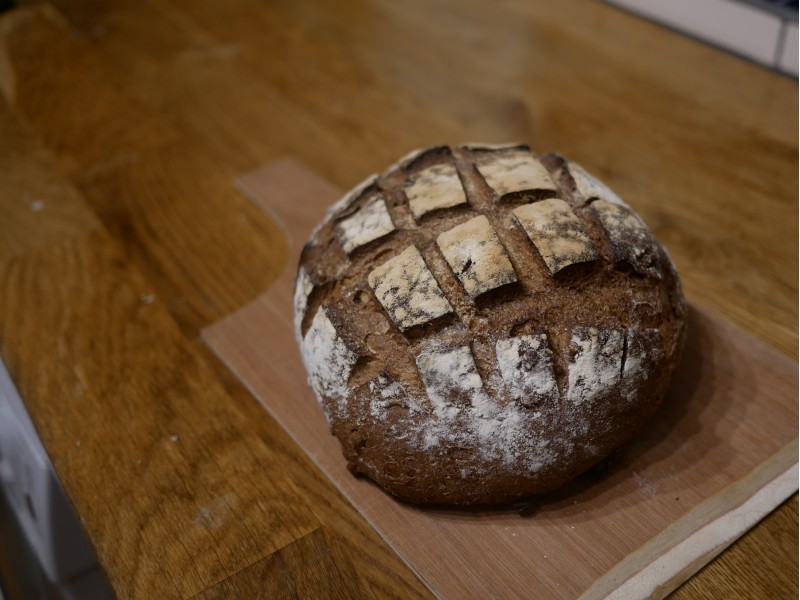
<point>604,293</point>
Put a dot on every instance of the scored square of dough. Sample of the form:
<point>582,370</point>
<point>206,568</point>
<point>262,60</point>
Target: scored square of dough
<point>477,257</point>
<point>370,222</point>
<point>435,188</point>
<point>408,290</point>
<point>589,187</point>
<point>556,232</point>
<point>515,172</point>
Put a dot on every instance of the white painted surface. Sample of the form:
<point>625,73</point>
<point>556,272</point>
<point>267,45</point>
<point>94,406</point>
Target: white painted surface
<point>732,25</point>
<point>787,61</point>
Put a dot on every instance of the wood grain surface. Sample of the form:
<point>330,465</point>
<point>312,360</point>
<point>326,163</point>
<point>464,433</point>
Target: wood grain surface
<point>122,127</point>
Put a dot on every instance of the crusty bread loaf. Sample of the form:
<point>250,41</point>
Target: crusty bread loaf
<point>480,324</point>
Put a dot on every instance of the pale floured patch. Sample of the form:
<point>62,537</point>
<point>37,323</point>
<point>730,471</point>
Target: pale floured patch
<point>511,172</point>
<point>407,290</point>
<point>526,365</point>
<point>477,257</point>
<point>371,222</point>
<point>589,187</point>
<point>638,361</point>
<point>385,392</point>
<point>435,188</point>
<point>630,237</point>
<point>328,360</point>
<point>556,232</point>
<point>465,415</point>
<point>452,379</point>
<point>597,363</point>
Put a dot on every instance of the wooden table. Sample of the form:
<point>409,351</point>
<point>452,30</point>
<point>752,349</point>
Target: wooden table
<point>122,127</point>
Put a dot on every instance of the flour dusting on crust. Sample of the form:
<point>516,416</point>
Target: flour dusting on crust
<point>507,173</point>
<point>463,412</point>
<point>328,360</point>
<point>477,257</point>
<point>556,232</point>
<point>638,359</point>
<point>597,363</point>
<point>526,364</point>
<point>407,290</point>
<point>630,237</point>
<point>385,392</point>
<point>370,223</point>
<point>435,188</point>
<point>451,378</point>
<point>502,436</point>
<point>589,187</point>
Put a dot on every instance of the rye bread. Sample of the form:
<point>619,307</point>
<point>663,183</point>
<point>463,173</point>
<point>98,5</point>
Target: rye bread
<point>481,324</point>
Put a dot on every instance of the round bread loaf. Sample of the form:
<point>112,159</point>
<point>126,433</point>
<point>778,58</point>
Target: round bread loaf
<point>480,324</point>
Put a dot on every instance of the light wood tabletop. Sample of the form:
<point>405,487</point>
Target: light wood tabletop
<point>122,128</point>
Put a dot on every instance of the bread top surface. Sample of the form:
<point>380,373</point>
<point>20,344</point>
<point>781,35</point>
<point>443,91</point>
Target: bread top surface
<point>473,308</point>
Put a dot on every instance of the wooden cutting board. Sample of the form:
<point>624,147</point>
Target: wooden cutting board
<point>717,457</point>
